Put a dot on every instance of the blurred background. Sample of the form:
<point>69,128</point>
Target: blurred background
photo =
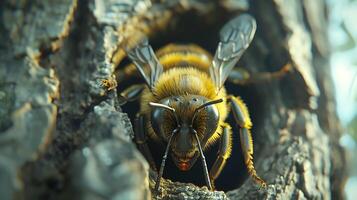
<point>343,36</point>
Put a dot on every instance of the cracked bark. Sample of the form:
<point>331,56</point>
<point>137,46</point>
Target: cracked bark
<point>63,135</point>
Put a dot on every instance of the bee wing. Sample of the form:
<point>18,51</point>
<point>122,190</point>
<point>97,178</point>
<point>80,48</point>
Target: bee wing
<point>146,62</point>
<point>235,37</point>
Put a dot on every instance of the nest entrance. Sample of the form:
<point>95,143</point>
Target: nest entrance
<point>190,27</point>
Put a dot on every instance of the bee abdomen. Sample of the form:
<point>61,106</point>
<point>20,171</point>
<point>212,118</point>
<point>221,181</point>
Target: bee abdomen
<point>173,55</point>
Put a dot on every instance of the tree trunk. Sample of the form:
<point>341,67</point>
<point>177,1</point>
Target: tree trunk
<point>63,135</point>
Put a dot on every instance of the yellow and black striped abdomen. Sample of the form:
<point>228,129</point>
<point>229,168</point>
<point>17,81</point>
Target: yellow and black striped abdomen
<point>174,56</point>
<point>182,56</point>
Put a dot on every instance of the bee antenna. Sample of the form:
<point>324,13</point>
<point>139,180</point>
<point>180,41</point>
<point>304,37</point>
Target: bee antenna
<point>172,110</point>
<point>204,164</point>
<point>203,106</point>
<point>158,178</point>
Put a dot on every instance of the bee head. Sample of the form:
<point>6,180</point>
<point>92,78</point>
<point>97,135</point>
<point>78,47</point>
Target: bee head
<point>189,119</point>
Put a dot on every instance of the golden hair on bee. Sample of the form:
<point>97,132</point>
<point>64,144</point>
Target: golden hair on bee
<point>182,81</point>
<point>186,82</point>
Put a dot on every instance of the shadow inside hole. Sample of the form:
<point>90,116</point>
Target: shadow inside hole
<point>190,28</point>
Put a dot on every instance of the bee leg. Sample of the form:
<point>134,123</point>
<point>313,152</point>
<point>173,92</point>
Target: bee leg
<point>241,116</point>
<point>241,76</point>
<point>224,152</point>
<point>140,139</point>
<point>131,93</point>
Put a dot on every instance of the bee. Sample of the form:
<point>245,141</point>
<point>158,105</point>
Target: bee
<point>184,104</point>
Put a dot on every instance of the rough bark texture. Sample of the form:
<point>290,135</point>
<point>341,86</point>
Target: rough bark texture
<point>62,135</point>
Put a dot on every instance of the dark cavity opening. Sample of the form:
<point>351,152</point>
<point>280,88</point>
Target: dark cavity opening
<point>204,31</point>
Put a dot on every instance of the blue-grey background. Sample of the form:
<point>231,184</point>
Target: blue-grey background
<point>343,36</point>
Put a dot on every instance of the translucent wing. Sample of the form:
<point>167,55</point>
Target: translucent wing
<point>235,38</point>
<point>146,63</point>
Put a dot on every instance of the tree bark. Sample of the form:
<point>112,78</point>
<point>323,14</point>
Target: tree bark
<point>63,135</point>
